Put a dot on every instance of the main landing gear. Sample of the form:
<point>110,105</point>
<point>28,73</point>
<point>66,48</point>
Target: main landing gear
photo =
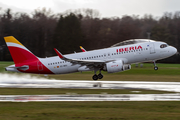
<point>155,67</point>
<point>96,77</point>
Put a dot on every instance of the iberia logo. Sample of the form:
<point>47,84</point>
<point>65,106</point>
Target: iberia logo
<point>128,48</point>
<point>114,65</point>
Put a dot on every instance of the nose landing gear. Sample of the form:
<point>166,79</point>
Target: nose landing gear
<point>155,67</point>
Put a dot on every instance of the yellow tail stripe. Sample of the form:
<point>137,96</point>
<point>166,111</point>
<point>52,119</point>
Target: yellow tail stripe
<point>12,40</point>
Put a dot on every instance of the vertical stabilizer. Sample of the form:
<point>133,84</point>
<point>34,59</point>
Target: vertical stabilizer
<point>19,52</point>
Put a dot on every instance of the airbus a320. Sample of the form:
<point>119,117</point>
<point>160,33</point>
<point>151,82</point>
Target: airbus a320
<point>116,58</point>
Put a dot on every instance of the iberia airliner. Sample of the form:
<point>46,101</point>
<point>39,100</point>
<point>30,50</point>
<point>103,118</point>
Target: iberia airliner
<point>116,58</point>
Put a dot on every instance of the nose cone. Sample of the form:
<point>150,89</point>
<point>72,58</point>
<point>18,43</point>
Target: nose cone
<point>173,50</point>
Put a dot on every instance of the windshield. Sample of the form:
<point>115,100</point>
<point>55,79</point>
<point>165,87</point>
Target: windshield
<point>133,41</point>
<point>163,45</point>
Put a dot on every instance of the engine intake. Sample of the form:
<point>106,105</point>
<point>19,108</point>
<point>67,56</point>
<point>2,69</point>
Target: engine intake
<point>116,66</point>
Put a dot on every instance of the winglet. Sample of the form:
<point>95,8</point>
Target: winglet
<point>58,53</point>
<point>82,49</point>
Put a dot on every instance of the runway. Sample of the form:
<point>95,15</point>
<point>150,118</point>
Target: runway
<point>34,82</point>
<point>28,83</point>
<point>90,97</point>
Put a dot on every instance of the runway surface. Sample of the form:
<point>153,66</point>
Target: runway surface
<point>91,97</point>
<point>33,82</point>
<point>28,83</point>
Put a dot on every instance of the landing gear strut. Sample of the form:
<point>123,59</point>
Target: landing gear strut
<point>155,67</point>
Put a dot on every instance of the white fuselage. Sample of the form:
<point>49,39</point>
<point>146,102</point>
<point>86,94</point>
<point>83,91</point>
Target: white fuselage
<point>129,54</point>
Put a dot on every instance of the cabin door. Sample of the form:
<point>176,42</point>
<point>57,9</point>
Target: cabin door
<point>151,47</point>
<point>39,66</point>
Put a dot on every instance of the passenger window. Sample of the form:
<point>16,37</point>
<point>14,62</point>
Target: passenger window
<point>163,45</point>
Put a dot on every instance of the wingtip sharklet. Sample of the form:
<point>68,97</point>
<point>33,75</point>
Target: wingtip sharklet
<point>83,50</point>
<point>58,53</point>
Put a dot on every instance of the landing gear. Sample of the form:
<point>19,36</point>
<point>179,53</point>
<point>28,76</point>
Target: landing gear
<point>100,76</point>
<point>155,67</point>
<point>96,77</point>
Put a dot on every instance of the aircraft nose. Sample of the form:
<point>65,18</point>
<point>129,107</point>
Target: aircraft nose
<point>173,50</point>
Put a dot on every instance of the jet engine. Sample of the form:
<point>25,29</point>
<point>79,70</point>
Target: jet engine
<point>116,66</point>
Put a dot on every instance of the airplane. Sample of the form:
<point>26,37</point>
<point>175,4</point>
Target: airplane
<point>116,58</point>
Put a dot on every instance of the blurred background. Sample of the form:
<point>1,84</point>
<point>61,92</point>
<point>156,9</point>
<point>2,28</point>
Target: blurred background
<point>41,30</point>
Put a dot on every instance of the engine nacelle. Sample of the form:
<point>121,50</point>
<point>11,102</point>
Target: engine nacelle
<point>116,66</point>
<point>126,67</point>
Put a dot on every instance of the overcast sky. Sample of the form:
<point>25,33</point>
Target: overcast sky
<point>107,8</point>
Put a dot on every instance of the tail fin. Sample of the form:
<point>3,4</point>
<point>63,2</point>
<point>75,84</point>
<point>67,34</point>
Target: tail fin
<point>19,52</point>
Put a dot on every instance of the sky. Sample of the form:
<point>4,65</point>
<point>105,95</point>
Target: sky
<point>107,8</point>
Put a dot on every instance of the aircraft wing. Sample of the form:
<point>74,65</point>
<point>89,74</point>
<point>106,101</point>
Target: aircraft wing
<point>82,62</point>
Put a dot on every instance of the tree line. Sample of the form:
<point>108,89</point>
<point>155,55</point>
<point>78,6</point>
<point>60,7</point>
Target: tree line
<point>43,30</point>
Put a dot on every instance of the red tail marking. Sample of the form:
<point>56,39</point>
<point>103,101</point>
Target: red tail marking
<point>19,55</point>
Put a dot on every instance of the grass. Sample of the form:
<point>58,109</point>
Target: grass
<point>90,111</point>
<point>50,91</point>
<point>95,110</point>
<point>4,64</point>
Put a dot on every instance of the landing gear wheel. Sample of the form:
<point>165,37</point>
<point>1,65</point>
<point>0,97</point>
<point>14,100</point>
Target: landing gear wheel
<point>95,77</point>
<point>155,68</point>
<point>100,76</point>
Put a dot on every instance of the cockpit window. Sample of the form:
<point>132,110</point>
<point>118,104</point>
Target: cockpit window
<point>163,45</point>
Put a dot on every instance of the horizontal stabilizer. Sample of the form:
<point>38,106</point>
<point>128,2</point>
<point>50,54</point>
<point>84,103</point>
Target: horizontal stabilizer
<point>13,68</point>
